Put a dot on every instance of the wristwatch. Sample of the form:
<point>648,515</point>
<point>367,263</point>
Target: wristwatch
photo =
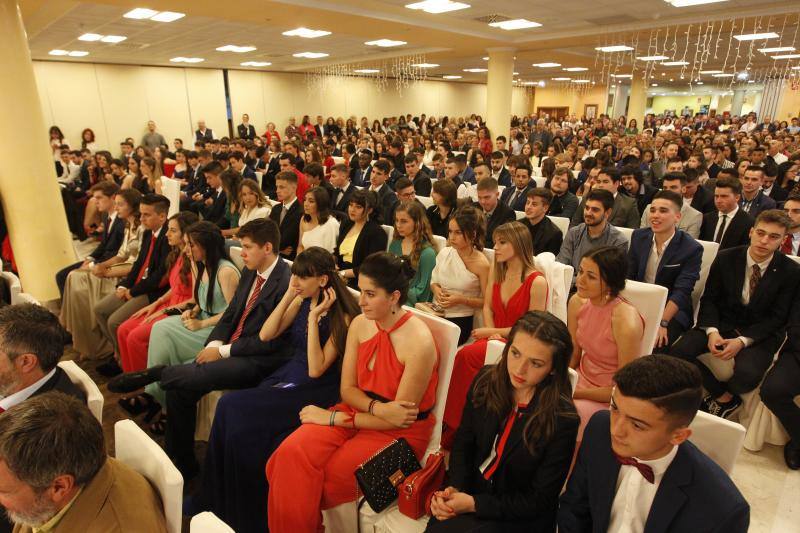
<point>664,323</point>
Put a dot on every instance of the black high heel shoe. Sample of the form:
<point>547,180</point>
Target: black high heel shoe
<point>136,405</point>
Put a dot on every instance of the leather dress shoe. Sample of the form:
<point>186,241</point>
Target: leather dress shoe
<point>791,453</point>
<point>135,380</point>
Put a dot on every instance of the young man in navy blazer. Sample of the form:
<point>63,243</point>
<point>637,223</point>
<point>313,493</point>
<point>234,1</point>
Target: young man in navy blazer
<point>234,357</point>
<point>664,255</point>
<point>636,471</point>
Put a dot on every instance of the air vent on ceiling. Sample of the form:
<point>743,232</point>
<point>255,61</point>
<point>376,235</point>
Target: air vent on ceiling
<point>132,46</point>
<point>613,21</point>
<point>494,17</point>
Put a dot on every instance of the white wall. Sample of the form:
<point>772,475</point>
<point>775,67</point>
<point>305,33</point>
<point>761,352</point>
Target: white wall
<point>116,101</point>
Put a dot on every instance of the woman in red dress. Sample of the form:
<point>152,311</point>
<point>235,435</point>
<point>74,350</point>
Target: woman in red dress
<point>133,335</point>
<point>388,390</point>
<point>517,288</point>
<point>485,142</point>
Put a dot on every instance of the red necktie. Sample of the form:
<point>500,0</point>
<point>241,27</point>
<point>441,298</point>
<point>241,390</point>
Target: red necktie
<point>645,470</point>
<point>251,302</point>
<point>146,261</point>
<point>786,246</point>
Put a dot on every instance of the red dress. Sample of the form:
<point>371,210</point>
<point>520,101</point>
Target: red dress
<point>470,358</point>
<point>133,335</point>
<point>313,469</point>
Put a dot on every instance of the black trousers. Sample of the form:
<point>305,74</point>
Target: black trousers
<point>465,324</point>
<point>780,387</point>
<point>749,366</point>
<point>186,384</point>
<point>674,331</point>
<point>469,523</point>
<point>61,276</point>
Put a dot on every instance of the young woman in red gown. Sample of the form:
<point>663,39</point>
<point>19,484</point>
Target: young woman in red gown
<point>388,389</point>
<point>517,288</point>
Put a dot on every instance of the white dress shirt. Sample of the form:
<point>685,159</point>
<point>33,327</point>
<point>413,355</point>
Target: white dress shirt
<point>654,259</point>
<point>635,495</point>
<point>727,222</point>
<point>225,349</point>
<point>20,396</point>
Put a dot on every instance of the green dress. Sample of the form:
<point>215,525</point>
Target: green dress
<point>172,344</point>
<point>419,289</point>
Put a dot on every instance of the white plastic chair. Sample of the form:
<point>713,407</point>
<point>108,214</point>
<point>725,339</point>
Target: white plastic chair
<point>389,233</point>
<point>489,253</point>
<point>14,286</point>
<point>559,281</point>
<point>519,214</point>
<point>539,180</point>
<point>649,299</point>
<point>719,439</point>
<point>439,243</point>
<point>25,298</point>
<point>338,160</point>
<point>94,398</point>
<point>427,201</point>
<point>259,177</point>
<point>794,258</point>
<point>236,256</point>
<point>494,352</point>
<point>709,254</point>
<point>536,171</point>
<point>172,190</point>
<point>208,522</point>
<point>561,223</point>
<point>627,233</point>
<point>141,453</point>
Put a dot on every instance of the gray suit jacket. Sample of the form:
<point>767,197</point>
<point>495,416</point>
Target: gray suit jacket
<point>691,219</point>
<point>625,213</point>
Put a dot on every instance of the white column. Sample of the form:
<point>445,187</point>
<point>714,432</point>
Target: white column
<point>737,101</point>
<point>621,93</point>
<point>637,103</point>
<point>499,82</point>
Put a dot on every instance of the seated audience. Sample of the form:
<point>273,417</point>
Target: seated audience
<point>728,224</point>
<point>701,196</point>
<point>56,475</point>
<point>420,180</point>
<point>253,204</point>
<point>414,241</point>
<point>691,219</point>
<point>231,186</point>
<point>499,170</point>
<point>378,406</point>
<point>513,449</point>
<point>667,256</point>
<point>343,189</point>
<point>564,203</point>
<point>517,287</point>
<point>632,181</point>
<point>743,313</point>
<point>594,232</point>
<point>315,176</point>
<point>359,237</point>
<point>753,200</point>
<point>318,226</point>
<point>791,243</point>
<point>384,193</point>
<point>316,312</point>
<point>636,470</point>
<point>461,272</point>
<point>286,213</point>
<point>624,212</point>
<point>545,235</point>
<point>606,329</point>
<point>516,196</point>
<point>445,198</point>
<point>495,211</point>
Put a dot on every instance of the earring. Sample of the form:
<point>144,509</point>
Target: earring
<point>394,310</point>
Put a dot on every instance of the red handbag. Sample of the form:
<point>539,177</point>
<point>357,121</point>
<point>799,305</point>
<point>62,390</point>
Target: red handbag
<point>417,489</point>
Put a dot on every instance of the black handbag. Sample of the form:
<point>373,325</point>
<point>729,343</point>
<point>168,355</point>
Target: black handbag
<point>379,477</point>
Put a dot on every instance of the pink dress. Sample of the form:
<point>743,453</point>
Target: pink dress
<point>599,361</point>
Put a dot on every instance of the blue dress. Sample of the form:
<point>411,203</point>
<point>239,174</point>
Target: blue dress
<point>250,424</point>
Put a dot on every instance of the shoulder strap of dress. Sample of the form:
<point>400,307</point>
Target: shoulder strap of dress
<point>403,320</point>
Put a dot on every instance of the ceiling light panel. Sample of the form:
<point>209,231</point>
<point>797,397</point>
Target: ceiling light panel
<point>306,33</point>
<point>311,55</point>
<point>652,58</point>
<point>78,53</point>
<point>560,79</point>
<point>425,65</point>
<point>438,6</point>
<point>689,3</point>
<point>546,65</point>
<point>167,16</point>
<point>756,36</point>
<point>236,49</point>
<point>776,49</point>
<point>255,64</point>
<point>575,69</point>
<point>614,48</point>
<point>452,77</point>
<point>786,56</point>
<point>675,63</point>
<point>475,70</point>
<point>515,24</point>
<point>385,43</point>
<point>113,39</point>
<point>90,37</point>
<point>140,13</point>
<point>367,71</point>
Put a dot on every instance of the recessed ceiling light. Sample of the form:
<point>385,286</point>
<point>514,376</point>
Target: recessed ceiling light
<point>475,70</point>
<point>699,83</point>
<point>654,85</point>
<point>776,49</point>
<point>546,65</point>
<point>581,81</point>
<point>367,70</point>
<point>385,43</point>
<point>140,13</point>
<point>786,56</point>
<point>674,63</point>
<point>425,65</point>
<point>234,48</point>
<point>614,48</point>
<point>306,33</point>
<point>560,79</point>
<point>58,52</point>
<point>255,64</point>
<point>710,72</point>
<point>751,81</point>
<point>575,69</point>
<point>671,79</point>
<point>756,36</point>
<point>622,75</point>
<point>723,75</point>
<point>742,76</point>
<point>78,53</point>
<point>113,39</point>
<point>452,77</point>
<point>529,83</point>
<point>485,58</point>
<point>652,58</point>
<point>187,59</point>
<point>438,6</point>
<point>167,16</point>
<point>311,55</point>
<point>514,24</point>
<point>516,73</point>
<point>90,37</point>
<point>688,3</point>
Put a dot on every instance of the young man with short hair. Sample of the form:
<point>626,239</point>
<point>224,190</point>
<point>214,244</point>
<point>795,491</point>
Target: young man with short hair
<point>499,171</point>
<point>564,203</point>
<point>286,213</point>
<point>386,196</point>
<point>753,200</point>
<point>791,243</point>
<point>343,189</point>
<point>624,214</point>
<point>545,235</point>
<point>422,183</point>
<point>288,163</point>
<point>451,172</point>
<point>632,182</point>
<point>636,471</point>
<point>236,160</point>
<point>516,195</point>
<point>728,225</point>
<point>691,219</point>
<point>494,210</point>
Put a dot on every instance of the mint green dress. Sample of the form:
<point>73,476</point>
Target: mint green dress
<point>172,344</point>
<point>419,289</point>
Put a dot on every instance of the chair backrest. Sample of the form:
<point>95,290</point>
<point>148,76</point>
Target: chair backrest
<point>627,233</point>
<point>794,258</point>
<point>536,171</point>
<point>14,286</point>
<point>494,352</point>
<point>141,453</point>
<point>718,438</point>
<point>389,233</point>
<point>259,178</point>
<point>445,333</point>
<point>489,253</point>
<point>539,180</point>
<point>208,522</point>
<point>338,160</point>
<point>559,281</point>
<point>172,190</point>
<point>439,243</point>
<point>649,299</point>
<point>561,223</point>
<point>236,256</point>
<point>427,201</point>
<point>710,249</point>
<point>519,214</point>
<point>25,298</point>
<point>94,398</point>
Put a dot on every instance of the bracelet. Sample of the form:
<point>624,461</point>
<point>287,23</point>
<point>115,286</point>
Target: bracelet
<point>371,405</point>
<point>333,418</point>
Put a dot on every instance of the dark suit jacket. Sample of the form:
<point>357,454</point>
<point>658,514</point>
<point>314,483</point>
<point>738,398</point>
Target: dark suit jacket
<point>360,176</point>
<point>151,285</point>
<point>779,194</point>
<point>112,239</point>
<point>737,233</point>
<point>290,227</point>
<point>564,206</point>
<point>268,180</point>
<point>765,316</point>
<point>371,239</point>
<point>246,132</point>
<point>760,203</point>
<point>695,495</point>
<point>624,214</point>
<point>386,200</point>
<point>519,202</point>
<point>502,214</point>
<point>340,208</point>
<point>249,173</point>
<point>678,270</point>
<point>216,211</point>
<point>422,184</point>
<point>644,198</point>
<point>248,343</point>
<point>545,235</point>
<point>523,492</point>
<point>703,200</point>
<point>208,136</point>
<point>504,178</point>
<point>60,382</point>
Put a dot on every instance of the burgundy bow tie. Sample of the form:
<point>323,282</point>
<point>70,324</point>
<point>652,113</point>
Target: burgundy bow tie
<point>643,469</point>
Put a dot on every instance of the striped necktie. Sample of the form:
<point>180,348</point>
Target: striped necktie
<point>251,302</point>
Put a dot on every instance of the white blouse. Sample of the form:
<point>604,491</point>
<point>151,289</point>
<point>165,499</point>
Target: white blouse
<point>323,235</point>
<point>451,274</point>
<point>253,214</point>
